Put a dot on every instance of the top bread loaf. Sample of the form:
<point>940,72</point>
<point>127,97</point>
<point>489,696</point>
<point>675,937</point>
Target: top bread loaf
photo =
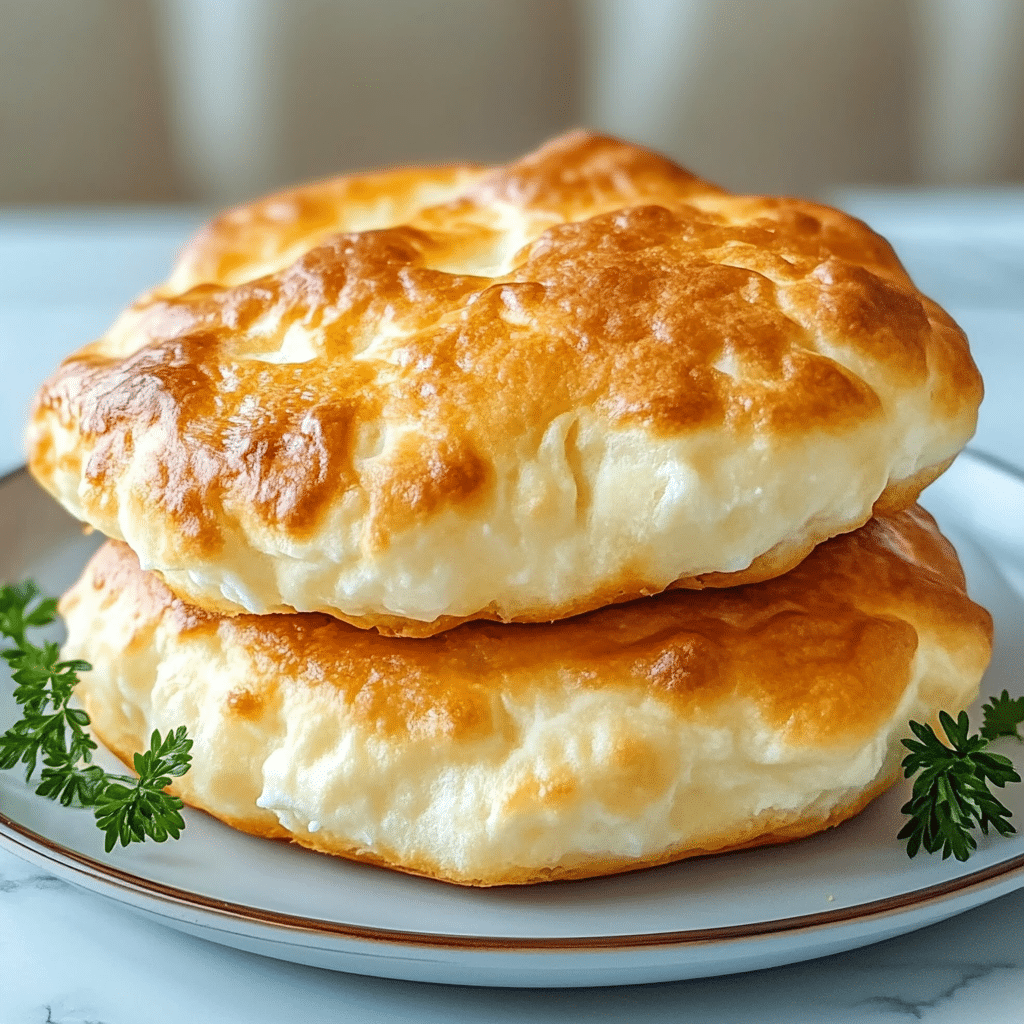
<point>427,395</point>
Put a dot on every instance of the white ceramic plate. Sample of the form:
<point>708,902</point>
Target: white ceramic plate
<point>716,915</point>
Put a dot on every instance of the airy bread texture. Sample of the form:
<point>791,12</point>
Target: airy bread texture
<point>672,726</point>
<point>519,393</point>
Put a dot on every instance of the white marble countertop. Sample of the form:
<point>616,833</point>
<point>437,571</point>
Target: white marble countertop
<point>68,957</point>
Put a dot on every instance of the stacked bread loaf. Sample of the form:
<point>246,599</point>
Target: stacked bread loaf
<point>503,524</point>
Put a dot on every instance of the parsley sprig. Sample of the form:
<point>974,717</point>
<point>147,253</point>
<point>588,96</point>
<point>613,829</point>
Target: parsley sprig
<point>53,733</point>
<point>951,796</point>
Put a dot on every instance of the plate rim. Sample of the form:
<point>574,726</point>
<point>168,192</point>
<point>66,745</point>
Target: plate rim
<point>15,836</point>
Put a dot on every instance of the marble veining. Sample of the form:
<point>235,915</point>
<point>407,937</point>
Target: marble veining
<point>38,881</point>
<point>70,1017</point>
<point>919,1008</point>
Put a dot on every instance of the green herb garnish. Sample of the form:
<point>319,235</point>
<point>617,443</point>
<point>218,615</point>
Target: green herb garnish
<point>1002,716</point>
<point>951,795</point>
<point>53,734</point>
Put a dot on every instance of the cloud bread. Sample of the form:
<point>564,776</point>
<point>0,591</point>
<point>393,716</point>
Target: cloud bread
<point>672,726</point>
<point>518,393</point>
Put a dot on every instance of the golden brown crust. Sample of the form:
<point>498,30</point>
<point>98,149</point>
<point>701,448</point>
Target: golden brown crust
<point>791,695</point>
<point>301,374</point>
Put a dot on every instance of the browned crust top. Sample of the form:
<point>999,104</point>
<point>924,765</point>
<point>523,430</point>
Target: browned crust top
<point>591,274</point>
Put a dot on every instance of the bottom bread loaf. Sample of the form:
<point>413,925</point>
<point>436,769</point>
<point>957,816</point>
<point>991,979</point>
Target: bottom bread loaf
<point>676,725</point>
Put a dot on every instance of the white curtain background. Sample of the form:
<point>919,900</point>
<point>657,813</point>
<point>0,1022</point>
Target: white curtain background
<point>214,100</point>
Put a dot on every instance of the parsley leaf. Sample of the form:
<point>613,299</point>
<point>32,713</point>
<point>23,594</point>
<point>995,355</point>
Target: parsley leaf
<point>52,733</point>
<point>1003,716</point>
<point>951,796</point>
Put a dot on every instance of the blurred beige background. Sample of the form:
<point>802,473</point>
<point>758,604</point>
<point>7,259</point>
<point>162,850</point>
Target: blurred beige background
<point>105,101</point>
